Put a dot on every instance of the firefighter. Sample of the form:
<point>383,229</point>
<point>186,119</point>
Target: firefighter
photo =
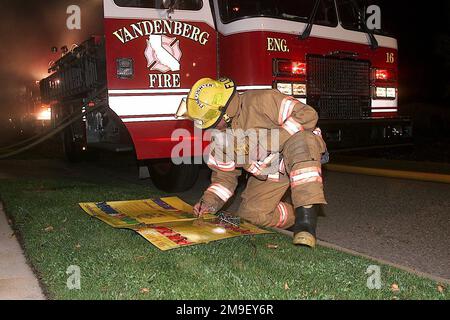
<point>290,161</point>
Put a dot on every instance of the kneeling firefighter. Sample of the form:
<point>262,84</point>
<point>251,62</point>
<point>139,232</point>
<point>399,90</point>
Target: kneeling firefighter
<point>297,155</point>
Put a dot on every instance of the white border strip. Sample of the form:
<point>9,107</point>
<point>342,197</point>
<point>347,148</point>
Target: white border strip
<point>145,105</point>
<point>111,10</point>
<point>179,91</point>
<point>384,103</point>
<point>262,87</point>
<point>383,110</point>
<point>150,119</point>
<point>148,91</point>
<point>293,27</point>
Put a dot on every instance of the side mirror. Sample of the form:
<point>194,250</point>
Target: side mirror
<point>168,4</point>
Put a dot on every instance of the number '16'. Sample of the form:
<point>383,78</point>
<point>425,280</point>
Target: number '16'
<point>390,57</point>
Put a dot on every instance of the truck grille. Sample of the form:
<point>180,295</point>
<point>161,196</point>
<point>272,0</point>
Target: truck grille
<point>339,88</point>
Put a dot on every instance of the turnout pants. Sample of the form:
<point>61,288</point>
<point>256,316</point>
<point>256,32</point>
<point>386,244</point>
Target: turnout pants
<point>262,200</point>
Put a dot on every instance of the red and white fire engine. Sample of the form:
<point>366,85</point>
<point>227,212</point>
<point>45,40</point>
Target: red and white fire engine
<point>319,51</point>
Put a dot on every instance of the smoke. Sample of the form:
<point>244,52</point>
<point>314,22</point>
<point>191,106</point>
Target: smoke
<point>28,30</point>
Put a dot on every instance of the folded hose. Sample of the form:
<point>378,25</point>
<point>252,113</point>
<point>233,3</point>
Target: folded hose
<point>24,142</point>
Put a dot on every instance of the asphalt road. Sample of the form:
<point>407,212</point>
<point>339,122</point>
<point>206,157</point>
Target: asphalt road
<point>403,222</point>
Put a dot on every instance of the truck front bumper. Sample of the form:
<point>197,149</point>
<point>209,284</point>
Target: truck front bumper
<point>367,133</point>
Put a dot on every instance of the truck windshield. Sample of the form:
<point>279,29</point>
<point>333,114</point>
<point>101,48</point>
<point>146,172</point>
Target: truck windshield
<point>352,14</point>
<point>232,10</point>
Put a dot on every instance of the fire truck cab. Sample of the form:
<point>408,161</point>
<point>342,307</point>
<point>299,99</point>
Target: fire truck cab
<point>319,51</point>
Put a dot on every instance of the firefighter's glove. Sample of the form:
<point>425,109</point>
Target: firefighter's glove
<point>325,158</point>
<point>202,208</point>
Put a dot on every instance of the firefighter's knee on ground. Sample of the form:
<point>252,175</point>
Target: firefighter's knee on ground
<point>280,217</point>
<point>257,217</point>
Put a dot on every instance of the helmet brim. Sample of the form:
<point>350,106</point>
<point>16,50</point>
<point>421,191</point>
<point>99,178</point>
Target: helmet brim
<point>229,89</point>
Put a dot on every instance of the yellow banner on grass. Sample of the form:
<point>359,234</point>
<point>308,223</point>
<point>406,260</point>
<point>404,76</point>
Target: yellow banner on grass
<point>167,223</point>
<point>129,214</point>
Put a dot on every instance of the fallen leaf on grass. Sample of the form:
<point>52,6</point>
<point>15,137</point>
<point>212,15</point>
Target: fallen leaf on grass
<point>145,290</point>
<point>272,246</point>
<point>78,246</point>
<point>441,288</point>
<point>239,265</point>
<point>395,287</point>
<point>286,286</point>
<point>139,258</point>
<point>49,229</point>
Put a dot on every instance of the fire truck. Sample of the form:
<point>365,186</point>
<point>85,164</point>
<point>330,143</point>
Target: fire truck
<point>318,51</point>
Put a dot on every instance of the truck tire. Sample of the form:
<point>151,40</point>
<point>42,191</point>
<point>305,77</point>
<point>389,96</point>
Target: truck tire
<point>172,178</point>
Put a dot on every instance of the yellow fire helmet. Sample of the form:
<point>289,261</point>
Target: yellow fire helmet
<point>207,102</point>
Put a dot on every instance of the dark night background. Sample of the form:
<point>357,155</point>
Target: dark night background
<point>29,28</point>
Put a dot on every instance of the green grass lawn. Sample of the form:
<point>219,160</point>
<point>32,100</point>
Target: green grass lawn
<point>119,264</point>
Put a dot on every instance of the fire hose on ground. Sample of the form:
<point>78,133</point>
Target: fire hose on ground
<point>28,140</point>
<point>38,139</point>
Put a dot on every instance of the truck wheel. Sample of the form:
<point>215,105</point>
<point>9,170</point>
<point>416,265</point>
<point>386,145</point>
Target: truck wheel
<point>171,178</point>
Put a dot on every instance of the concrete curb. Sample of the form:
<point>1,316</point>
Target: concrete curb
<point>17,280</point>
<point>390,173</point>
<point>378,260</point>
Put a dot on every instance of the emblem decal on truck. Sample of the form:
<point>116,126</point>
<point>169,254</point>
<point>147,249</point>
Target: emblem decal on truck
<point>163,53</point>
<point>162,47</point>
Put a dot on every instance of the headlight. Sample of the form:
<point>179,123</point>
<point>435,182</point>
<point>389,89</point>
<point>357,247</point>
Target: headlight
<point>391,92</point>
<point>385,93</point>
<point>381,92</point>
<point>285,88</point>
<point>299,89</point>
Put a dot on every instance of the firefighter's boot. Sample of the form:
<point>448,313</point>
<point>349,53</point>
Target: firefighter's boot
<point>305,226</point>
